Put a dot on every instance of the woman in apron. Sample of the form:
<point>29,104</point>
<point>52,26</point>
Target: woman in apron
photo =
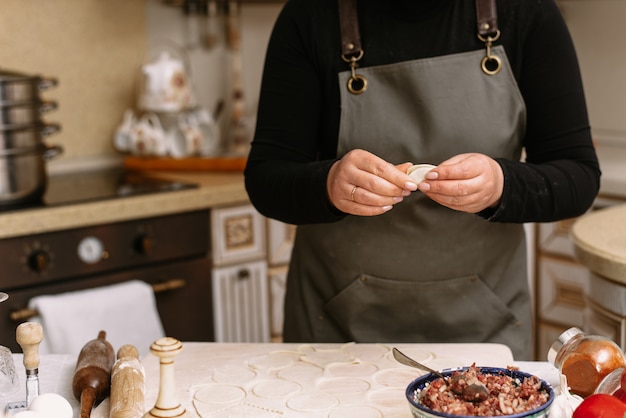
<point>353,92</point>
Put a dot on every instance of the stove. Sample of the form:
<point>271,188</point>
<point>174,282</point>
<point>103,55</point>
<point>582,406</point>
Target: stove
<point>67,189</point>
<point>169,252</point>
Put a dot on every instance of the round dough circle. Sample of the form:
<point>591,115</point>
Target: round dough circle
<point>276,388</point>
<point>220,394</point>
<point>312,402</point>
<point>355,411</point>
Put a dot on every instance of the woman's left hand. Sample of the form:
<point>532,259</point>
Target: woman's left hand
<point>466,182</point>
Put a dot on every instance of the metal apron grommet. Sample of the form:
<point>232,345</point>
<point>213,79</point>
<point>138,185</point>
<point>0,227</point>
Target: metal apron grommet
<point>356,84</point>
<point>490,64</point>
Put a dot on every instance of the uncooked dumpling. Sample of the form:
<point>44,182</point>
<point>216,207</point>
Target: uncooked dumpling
<point>418,172</point>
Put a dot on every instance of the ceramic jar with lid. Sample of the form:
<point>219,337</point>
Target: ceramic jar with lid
<point>585,359</point>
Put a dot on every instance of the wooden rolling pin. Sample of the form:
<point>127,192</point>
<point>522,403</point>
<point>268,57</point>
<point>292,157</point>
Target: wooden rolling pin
<point>92,377</point>
<point>127,385</point>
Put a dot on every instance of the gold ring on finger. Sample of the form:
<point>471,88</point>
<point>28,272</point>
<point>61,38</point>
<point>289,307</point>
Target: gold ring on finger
<point>352,193</point>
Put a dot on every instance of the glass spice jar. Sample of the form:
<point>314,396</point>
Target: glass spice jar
<point>585,359</point>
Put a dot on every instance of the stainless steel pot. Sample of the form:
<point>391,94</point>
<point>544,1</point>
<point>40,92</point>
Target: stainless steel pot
<point>22,113</point>
<point>25,136</point>
<point>23,176</point>
<point>18,87</point>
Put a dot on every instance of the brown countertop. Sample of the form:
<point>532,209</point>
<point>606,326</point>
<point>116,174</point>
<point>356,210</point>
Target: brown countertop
<point>216,189</point>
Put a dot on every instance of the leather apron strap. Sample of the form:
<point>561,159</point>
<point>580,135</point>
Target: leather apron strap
<point>486,19</point>
<point>349,25</point>
<point>352,51</point>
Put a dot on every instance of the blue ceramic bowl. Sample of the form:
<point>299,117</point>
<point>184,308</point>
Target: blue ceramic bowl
<point>420,411</point>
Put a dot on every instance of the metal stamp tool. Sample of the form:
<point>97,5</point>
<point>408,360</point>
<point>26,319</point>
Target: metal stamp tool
<point>28,335</point>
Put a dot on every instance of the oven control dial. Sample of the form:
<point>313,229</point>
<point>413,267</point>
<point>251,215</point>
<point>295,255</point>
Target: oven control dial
<point>144,244</point>
<point>91,250</point>
<point>38,260</point>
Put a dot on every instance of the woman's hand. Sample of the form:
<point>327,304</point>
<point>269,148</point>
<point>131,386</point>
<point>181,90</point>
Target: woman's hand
<point>363,184</point>
<point>465,182</point>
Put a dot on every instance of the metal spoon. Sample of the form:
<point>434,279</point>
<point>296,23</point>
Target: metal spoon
<point>408,361</point>
<point>474,390</point>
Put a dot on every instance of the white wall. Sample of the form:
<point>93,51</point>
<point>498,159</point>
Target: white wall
<point>598,28</point>
<point>168,26</point>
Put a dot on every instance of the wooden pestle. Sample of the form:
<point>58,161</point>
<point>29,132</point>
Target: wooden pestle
<point>127,385</point>
<point>29,335</point>
<point>92,377</point>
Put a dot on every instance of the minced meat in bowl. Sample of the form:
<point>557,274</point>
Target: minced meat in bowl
<point>512,394</point>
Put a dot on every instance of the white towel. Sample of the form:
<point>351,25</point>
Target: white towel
<point>126,312</point>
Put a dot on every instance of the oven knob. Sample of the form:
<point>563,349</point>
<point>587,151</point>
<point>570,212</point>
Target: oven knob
<point>39,260</point>
<point>144,244</point>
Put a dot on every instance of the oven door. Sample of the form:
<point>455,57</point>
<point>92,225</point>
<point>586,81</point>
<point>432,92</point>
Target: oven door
<point>182,292</point>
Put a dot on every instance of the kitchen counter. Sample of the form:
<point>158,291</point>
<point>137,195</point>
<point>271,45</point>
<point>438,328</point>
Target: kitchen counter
<point>216,189</point>
<point>600,242</point>
<point>291,380</point>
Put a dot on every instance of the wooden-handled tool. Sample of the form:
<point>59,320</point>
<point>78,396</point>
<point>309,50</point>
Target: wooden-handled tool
<point>166,404</point>
<point>29,335</point>
<point>127,385</point>
<point>92,377</point>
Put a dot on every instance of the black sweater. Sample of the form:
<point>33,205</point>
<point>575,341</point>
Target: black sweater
<point>298,119</point>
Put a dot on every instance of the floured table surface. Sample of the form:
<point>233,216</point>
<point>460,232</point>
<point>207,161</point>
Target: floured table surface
<point>304,380</point>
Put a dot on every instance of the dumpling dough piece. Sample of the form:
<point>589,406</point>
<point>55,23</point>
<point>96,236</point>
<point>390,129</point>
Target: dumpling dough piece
<point>418,172</point>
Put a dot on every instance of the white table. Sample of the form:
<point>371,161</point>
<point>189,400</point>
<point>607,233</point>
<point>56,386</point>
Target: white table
<point>292,380</point>
<point>55,376</point>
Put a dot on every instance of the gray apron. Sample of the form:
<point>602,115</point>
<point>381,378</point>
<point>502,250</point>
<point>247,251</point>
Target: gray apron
<point>420,272</point>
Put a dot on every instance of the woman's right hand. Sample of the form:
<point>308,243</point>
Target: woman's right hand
<point>363,184</point>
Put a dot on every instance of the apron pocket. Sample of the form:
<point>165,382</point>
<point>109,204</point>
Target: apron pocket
<point>463,309</point>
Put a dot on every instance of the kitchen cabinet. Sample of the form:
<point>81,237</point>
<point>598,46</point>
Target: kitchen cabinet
<point>280,238</point>
<point>250,257</point>
<point>241,303</point>
<point>603,321</point>
<point>238,235</point>
<point>599,240</point>
<point>560,287</point>
<point>563,285</point>
<point>240,296</point>
<point>277,282</point>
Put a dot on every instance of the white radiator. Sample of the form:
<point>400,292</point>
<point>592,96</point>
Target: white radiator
<point>241,303</point>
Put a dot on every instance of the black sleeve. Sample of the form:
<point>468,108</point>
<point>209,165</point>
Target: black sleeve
<point>561,175</point>
<point>296,136</point>
<point>288,165</point>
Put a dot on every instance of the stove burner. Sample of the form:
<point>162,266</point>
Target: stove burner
<point>98,185</point>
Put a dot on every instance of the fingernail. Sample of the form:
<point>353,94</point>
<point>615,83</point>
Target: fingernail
<point>410,185</point>
<point>432,175</point>
<point>398,199</point>
<point>424,187</point>
<point>387,208</point>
